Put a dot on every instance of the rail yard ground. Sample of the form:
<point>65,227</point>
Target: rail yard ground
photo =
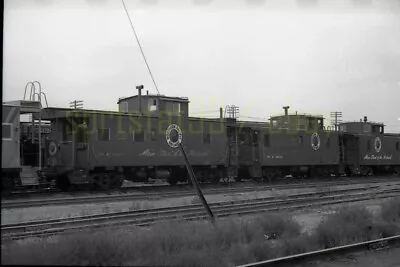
<point>18,215</point>
<point>235,240</point>
<point>232,241</point>
<point>385,258</point>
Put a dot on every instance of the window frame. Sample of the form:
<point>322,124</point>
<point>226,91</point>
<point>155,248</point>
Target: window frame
<point>137,132</point>
<point>153,137</point>
<point>204,138</point>
<point>11,131</point>
<point>267,138</point>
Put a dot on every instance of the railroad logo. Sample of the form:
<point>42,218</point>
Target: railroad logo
<point>173,135</point>
<point>52,148</point>
<point>315,141</point>
<point>378,144</point>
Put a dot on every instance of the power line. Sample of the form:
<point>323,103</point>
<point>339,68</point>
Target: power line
<point>141,50</point>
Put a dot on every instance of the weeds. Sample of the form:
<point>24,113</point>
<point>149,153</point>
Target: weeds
<point>391,210</point>
<point>232,241</point>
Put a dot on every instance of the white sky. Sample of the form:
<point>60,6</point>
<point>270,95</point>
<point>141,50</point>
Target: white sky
<point>327,55</point>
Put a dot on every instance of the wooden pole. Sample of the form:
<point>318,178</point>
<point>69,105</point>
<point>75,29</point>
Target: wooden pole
<point>196,184</point>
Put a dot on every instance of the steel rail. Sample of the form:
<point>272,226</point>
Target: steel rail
<point>155,188</point>
<point>7,204</point>
<point>284,261</point>
<point>191,212</point>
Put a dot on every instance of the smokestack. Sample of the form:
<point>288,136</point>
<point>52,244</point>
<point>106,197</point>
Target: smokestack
<point>140,88</point>
<point>286,110</point>
<point>221,111</point>
<point>365,119</point>
<point>286,114</point>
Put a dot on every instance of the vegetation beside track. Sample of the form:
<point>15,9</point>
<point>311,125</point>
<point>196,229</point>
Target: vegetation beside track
<point>232,241</point>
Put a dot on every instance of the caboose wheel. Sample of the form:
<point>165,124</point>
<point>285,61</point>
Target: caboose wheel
<point>268,174</point>
<point>396,172</point>
<point>104,181</point>
<point>365,171</point>
<point>8,184</point>
<point>117,181</point>
<point>63,183</point>
<point>172,181</point>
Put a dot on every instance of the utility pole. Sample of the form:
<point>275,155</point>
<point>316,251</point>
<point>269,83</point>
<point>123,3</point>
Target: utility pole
<point>76,104</point>
<point>336,118</point>
<point>174,138</point>
<point>232,112</point>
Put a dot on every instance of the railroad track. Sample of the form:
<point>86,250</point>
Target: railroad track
<point>298,259</point>
<point>161,187</point>
<point>8,204</point>
<point>190,212</point>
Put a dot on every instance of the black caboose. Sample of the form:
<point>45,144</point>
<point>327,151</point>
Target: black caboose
<point>103,148</point>
<point>369,150</point>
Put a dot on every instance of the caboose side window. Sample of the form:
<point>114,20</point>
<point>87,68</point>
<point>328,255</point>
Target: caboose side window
<point>328,142</point>
<point>82,135</point>
<point>206,138</point>
<point>152,104</point>
<point>103,134</point>
<point>153,134</point>
<point>138,136</point>
<point>6,133</point>
<point>255,138</point>
<point>266,140</point>
<point>67,131</point>
<point>369,145</point>
<point>301,140</point>
<point>397,146</point>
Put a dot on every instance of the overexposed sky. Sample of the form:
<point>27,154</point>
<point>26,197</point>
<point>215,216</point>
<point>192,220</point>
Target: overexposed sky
<point>316,56</point>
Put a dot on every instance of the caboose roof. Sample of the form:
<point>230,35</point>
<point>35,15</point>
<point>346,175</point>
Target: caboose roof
<point>53,113</point>
<point>304,115</point>
<point>362,122</point>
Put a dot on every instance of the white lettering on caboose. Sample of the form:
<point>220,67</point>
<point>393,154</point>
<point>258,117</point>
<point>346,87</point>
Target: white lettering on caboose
<point>373,157</point>
<point>174,153</point>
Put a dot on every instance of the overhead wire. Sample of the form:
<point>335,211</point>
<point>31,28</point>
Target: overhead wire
<point>140,47</point>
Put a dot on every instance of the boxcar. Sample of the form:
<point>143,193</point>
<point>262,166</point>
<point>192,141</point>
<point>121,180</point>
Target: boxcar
<point>10,156</point>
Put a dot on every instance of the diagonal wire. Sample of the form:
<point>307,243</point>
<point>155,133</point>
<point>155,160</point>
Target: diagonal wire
<point>141,50</point>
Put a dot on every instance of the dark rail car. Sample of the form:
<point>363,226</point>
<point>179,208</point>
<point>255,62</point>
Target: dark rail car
<point>104,148</point>
<point>369,150</point>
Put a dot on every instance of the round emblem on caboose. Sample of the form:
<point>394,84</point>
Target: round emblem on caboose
<point>378,144</point>
<point>315,141</point>
<point>173,135</point>
<point>52,148</point>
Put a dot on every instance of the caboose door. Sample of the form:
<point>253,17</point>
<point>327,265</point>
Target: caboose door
<point>81,146</point>
<point>256,146</point>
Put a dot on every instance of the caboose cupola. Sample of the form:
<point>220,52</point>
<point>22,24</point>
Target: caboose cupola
<point>154,105</point>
